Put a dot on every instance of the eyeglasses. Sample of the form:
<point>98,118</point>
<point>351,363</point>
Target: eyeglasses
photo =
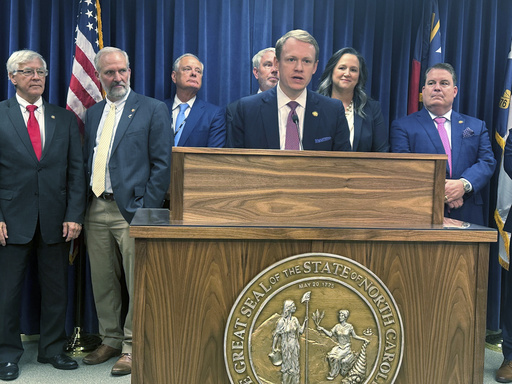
<point>28,72</point>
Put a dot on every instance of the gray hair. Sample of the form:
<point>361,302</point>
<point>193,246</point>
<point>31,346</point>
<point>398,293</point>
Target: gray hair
<point>446,67</point>
<point>107,50</point>
<point>176,64</point>
<point>256,59</point>
<point>300,35</point>
<point>21,57</point>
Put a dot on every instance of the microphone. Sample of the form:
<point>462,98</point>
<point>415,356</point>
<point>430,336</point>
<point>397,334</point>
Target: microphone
<point>295,119</point>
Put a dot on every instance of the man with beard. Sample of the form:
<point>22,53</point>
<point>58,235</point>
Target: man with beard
<point>127,154</point>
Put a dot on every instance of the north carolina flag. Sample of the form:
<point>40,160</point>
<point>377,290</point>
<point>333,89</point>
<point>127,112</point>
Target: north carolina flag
<point>435,51</point>
<point>84,88</point>
<point>427,52</point>
<point>504,197</point>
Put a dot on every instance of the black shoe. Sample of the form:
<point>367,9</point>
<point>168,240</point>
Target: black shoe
<point>9,371</point>
<point>60,361</point>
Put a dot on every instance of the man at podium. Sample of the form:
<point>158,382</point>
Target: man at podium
<point>289,116</point>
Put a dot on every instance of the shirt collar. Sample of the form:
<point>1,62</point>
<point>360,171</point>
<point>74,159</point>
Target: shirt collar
<point>118,103</point>
<point>283,99</point>
<point>177,102</point>
<point>447,115</point>
<point>23,103</point>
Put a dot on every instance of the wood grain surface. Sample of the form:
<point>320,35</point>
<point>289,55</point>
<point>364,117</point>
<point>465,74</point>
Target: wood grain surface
<point>303,187</point>
<point>186,288</point>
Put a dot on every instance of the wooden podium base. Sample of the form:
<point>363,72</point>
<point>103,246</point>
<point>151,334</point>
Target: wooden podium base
<point>187,278</point>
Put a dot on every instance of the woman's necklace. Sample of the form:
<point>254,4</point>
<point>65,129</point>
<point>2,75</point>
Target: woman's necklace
<point>348,110</point>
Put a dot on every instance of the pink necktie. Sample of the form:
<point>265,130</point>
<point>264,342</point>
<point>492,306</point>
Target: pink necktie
<point>33,131</point>
<point>444,138</point>
<point>292,130</point>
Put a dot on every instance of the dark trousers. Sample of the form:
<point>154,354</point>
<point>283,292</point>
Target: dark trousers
<point>52,262</point>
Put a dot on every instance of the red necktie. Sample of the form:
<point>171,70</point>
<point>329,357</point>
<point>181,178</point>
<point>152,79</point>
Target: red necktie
<point>33,131</point>
<point>444,138</point>
<point>292,130</point>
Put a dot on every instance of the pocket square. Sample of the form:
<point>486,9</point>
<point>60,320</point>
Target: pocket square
<point>468,132</point>
<point>322,139</point>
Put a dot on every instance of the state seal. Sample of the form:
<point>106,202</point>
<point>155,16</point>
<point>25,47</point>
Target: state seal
<point>314,318</point>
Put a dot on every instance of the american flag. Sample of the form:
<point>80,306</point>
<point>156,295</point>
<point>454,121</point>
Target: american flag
<point>84,88</point>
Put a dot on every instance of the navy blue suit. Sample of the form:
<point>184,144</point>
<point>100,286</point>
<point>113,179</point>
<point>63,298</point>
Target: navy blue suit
<point>256,124</point>
<point>36,198</point>
<point>472,156</point>
<point>205,125</point>
<point>139,163</point>
<point>371,133</point>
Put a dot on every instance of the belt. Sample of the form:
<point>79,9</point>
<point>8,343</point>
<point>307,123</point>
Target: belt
<point>107,196</point>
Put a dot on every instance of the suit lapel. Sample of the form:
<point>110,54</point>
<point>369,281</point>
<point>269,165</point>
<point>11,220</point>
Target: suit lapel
<point>310,121</point>
<point>358,123</point>
<point>429,126</point>
<point>270,118</point>
<point>457,129</point>
<point>191,122</point>
<point>49,127</point>
<point>20,127</point>
<point>129,111</point>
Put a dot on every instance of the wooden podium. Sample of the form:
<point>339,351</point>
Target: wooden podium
<point>236,212</point>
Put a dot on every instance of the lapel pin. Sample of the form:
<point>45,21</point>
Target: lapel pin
<point>460,121</point>
<point>133,110</point>
<point>130,116</point>
<point>53,117</point>
<point>315,113</point>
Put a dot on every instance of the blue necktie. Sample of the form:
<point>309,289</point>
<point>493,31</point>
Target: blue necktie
<point>180,123</point>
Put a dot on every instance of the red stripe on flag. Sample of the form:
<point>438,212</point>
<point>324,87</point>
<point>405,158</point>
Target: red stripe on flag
<point>80,92</point>
<point>414,88</point>
<point>87,65</point>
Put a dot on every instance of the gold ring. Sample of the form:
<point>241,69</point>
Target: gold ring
<point>445,198</point>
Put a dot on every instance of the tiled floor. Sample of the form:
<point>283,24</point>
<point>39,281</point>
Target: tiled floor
<point>31,372</point>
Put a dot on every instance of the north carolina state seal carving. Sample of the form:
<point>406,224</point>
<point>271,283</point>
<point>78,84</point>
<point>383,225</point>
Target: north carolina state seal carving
<point>314,318</point>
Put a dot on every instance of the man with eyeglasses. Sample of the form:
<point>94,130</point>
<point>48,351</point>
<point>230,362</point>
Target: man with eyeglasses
<point>196,123</point>
<point>42,202</point>
<point>127,150</point>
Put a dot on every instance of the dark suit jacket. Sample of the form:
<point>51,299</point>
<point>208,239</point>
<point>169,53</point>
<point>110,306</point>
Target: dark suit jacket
<point>256,123</point>
<point>472,156</point>
<point>371,134</point>
<point>140,158</point>
<point>52,189</point>
<point>230,115</point>
<point>205,125</point>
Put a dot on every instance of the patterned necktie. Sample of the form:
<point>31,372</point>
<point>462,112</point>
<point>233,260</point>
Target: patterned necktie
<point>34,131</point>
<point>100,161</point>
<point>444,138</point>
<point>180,123</point>
<point>292,130</point>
